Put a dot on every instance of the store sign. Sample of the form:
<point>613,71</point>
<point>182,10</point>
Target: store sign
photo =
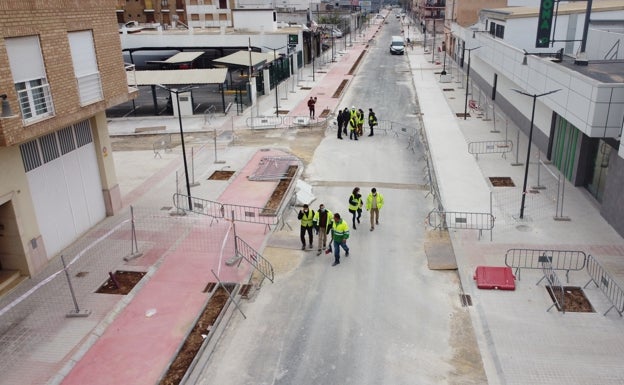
<point>544,24</point>
<point>293,39</point>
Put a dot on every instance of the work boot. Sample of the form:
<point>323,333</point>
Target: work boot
<point>303,247</point>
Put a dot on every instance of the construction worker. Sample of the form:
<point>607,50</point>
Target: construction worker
<point>340,234</point>
<point>374,203</point>
<point>307,224</point>
<point>360,122</point>
<point>322,225</point>
<point>372,120</point>
<point>353,124</point>
<point>355,205</point>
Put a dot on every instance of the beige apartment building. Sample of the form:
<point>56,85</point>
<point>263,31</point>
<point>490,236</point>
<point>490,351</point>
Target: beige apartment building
<point>60,68</point>
<point>464,13</point>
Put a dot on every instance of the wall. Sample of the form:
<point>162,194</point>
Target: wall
<point>51,21</point>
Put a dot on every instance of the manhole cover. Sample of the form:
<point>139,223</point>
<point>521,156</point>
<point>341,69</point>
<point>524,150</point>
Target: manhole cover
<point>501,181</point>
<point>221,175</point>
<point>572,299</point>
<point>121,282</point>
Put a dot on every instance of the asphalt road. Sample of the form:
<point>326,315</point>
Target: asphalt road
<point>381,316</point>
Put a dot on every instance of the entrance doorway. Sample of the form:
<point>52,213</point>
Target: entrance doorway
<point>13,264</point>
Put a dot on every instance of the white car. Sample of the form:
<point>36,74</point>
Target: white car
<point>335,32</point>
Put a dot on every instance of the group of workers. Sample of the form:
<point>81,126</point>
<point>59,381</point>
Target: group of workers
<point>325,223</point>
<point>354,120</point>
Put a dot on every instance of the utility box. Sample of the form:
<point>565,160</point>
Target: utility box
<point>186,103</point>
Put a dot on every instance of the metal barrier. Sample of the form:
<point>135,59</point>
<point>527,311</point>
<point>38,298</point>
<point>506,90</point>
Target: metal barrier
<point>490,147</point>
<point>461,220</point>
<point>568,260</point>
<point>599,276</point>
<point>162,144</point>
<point>249,254</point>
<point>305,121</point>
<point>263,122</point>
<point>556,287</point>
<point>226,211</point>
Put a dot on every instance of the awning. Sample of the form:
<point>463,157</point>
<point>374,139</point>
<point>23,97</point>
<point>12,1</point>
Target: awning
<point>183,57</point>
<point>191,76</point>
<point>241,58</point>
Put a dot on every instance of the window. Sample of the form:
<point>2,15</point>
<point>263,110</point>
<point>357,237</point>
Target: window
<point>29,77</point>
<point>49,147</point>
<point>85,67</point>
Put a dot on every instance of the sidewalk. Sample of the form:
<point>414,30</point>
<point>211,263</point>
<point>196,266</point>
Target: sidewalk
<point>520,342</point>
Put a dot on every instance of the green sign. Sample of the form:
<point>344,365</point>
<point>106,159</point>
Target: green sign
<point>293,39</point>
<point>544,24</point>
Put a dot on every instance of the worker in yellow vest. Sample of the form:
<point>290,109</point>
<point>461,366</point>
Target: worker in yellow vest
<point>340,234</point>
<point>374,203</point>
<point>306,216</point>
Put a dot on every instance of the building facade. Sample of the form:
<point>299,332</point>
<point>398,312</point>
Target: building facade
<point>579,126</point>
<point>60,68</point>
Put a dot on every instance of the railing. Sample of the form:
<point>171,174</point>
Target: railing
<point>568,260</point>
<point>249,254</point>
<point>599,276</point>
<point>554,285</point>
<point>490,147</point>
<point>226,211</point>
<point>461,221</point>
<point>162,144</point>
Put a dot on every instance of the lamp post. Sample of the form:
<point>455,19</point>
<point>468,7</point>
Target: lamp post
<point>526,166</point>
<point>275,73</point>
<point>467,80</point>
<point>186,174</point>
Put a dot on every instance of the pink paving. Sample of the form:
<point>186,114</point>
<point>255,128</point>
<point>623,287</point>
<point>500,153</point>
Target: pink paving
<point>140,348</point>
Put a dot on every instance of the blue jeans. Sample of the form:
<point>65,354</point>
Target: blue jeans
<point>337,246</point>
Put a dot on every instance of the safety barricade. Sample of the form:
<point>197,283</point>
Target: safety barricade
<point>599,276</point>
<point>162,144</point>
<point>263,122</point>
<point>490,147</point>
<point>568,260</point>
<point>227,211</point>
<point>244,251</point>
<point>554,285</point>
<point>461,220</point>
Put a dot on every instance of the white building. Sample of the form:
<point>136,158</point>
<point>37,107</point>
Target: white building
<point>578,127</point>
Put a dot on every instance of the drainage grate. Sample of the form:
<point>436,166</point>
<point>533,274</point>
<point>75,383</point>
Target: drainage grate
<point>166,208</point>
<point>465,300</point>
<point>448,89</point>
<point>244,291</point>
<point>209,287</point>
<point>305,88</point>
<point>501,181</point>
<point>461,115</point>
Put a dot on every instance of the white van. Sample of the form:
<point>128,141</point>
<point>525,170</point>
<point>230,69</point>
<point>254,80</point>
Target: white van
<point>397,47</point>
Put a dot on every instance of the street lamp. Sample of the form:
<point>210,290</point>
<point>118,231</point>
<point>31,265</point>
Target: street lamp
<point>275,73</point>
<point>526,166</point>
<point>468,79</point>
<point>186,174</point>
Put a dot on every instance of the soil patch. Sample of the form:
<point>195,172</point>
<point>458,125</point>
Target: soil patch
<point>276,198</point>
<point>574,300</point>
<point>123,282</point>
<point>501,181</point>
<point>221,175</point>
<point>196,337</point>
